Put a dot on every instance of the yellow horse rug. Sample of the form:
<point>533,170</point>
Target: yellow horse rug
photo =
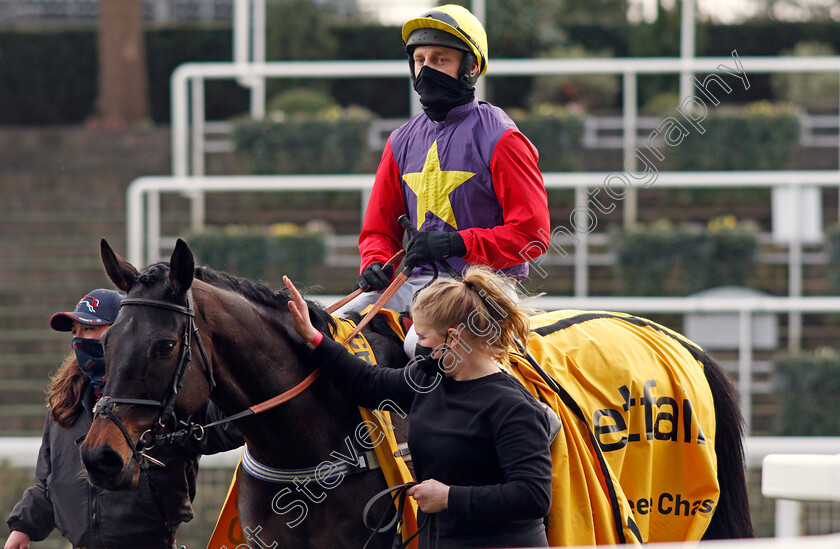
<point>635,459</point>
<point>634,388</point>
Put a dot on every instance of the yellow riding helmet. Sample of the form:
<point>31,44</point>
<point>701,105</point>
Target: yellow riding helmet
<point>458,22</point>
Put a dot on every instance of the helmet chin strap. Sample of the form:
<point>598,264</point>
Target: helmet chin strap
<point>465,72</point>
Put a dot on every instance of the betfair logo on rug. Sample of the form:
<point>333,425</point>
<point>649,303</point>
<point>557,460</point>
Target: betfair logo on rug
<point>646,417</point>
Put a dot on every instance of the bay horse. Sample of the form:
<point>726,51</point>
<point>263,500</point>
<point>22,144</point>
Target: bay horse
<point>251,353</point>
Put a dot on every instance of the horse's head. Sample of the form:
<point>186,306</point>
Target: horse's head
<point>152,377</point>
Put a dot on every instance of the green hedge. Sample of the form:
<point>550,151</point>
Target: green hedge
<point>261,253</point>
<point>334,141</point>
<point>49,77</point>
<point>556,133</point>
<point>807,385</point>
<point>665,259</point>
<point>760,136</point>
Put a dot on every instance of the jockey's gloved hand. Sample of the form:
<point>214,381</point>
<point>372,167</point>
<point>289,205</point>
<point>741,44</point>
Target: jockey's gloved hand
<point>433,246</point>
<point>375,276</point>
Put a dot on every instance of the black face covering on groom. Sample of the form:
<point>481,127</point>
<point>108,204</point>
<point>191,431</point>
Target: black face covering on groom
<point>428,364</point>
<point>91,358</point>
<point>440,93</point>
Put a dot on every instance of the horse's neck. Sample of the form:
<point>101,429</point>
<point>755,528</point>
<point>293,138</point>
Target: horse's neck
<point>255,359</point>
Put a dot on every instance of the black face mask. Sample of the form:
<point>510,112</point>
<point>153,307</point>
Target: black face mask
<point>91,358</point>
<point>440,93</point>
<point>426,362</point>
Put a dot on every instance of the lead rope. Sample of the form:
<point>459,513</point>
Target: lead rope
<point>399,498</point>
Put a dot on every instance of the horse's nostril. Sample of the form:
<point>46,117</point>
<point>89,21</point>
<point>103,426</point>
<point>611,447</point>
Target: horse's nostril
<point>104,461</point>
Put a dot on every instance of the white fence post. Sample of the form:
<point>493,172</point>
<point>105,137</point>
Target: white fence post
<point>788,518</point>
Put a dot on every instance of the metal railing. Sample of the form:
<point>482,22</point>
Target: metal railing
<point>188,102</point>
<point>144,223</point>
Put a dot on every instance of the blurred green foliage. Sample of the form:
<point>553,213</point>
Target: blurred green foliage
<point>556,133</point>
<point>759,136</point>
<point>261,253</point>
<point>814,90</point>
<point>332,140</point>
<point>807,385</point>
<point>663,259</point>
<point>49,76</point>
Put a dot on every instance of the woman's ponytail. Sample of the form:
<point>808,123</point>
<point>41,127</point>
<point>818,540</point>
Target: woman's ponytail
<point>485,306</point>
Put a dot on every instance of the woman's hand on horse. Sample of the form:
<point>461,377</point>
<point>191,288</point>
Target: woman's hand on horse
<point>432,496</point>
<point>300,313</point>
<point>17,540</point>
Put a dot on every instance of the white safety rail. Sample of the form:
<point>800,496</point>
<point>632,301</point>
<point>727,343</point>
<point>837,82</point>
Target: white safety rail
<point>599,132</point>
<point>144,211</point>
<point>143,203</point>
<point>794,478</point>
<point>605,132</point>
<point>187,84</point>
<point>746,308</point>
<point>188,101</point>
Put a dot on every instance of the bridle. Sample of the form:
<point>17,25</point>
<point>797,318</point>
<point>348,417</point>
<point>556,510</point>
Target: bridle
<point>107,405</point>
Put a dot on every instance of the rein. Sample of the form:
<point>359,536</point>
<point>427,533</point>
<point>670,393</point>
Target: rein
<point>400,492</point>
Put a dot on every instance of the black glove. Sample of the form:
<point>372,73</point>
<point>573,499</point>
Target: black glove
<point>375,277</point>
<point>433,246</point>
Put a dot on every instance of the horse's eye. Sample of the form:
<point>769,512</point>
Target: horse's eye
<point>164,349</point>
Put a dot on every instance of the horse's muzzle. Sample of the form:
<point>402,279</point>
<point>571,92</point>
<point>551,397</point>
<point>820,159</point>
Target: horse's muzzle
<point>107,469</point>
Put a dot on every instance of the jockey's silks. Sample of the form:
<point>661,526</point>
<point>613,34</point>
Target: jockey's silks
<point>646,402</point>
<point>445,171</point>
<point>380,429</point>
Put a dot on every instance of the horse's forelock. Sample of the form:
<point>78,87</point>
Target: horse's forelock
<point>154,273</point>
<point>157,273</point>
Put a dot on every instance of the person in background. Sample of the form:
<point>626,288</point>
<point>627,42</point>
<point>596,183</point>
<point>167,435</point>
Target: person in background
<point>89,517</point>
<point>460,170</point>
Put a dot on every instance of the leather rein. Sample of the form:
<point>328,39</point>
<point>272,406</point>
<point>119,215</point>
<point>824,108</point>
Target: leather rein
<point>106,407</point>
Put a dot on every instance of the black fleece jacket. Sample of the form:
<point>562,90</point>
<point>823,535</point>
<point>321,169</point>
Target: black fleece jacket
<point>92,517</point>
<point>486,438</point>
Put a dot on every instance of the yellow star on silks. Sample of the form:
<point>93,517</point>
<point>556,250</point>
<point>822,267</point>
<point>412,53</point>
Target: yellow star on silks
<point>432,187</point>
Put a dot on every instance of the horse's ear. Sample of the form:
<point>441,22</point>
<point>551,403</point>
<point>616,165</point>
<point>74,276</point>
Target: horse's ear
<point>181,267</point>
<point>121,272</point>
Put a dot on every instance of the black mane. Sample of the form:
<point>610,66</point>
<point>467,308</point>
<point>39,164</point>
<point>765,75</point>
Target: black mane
<point>256,292</point>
